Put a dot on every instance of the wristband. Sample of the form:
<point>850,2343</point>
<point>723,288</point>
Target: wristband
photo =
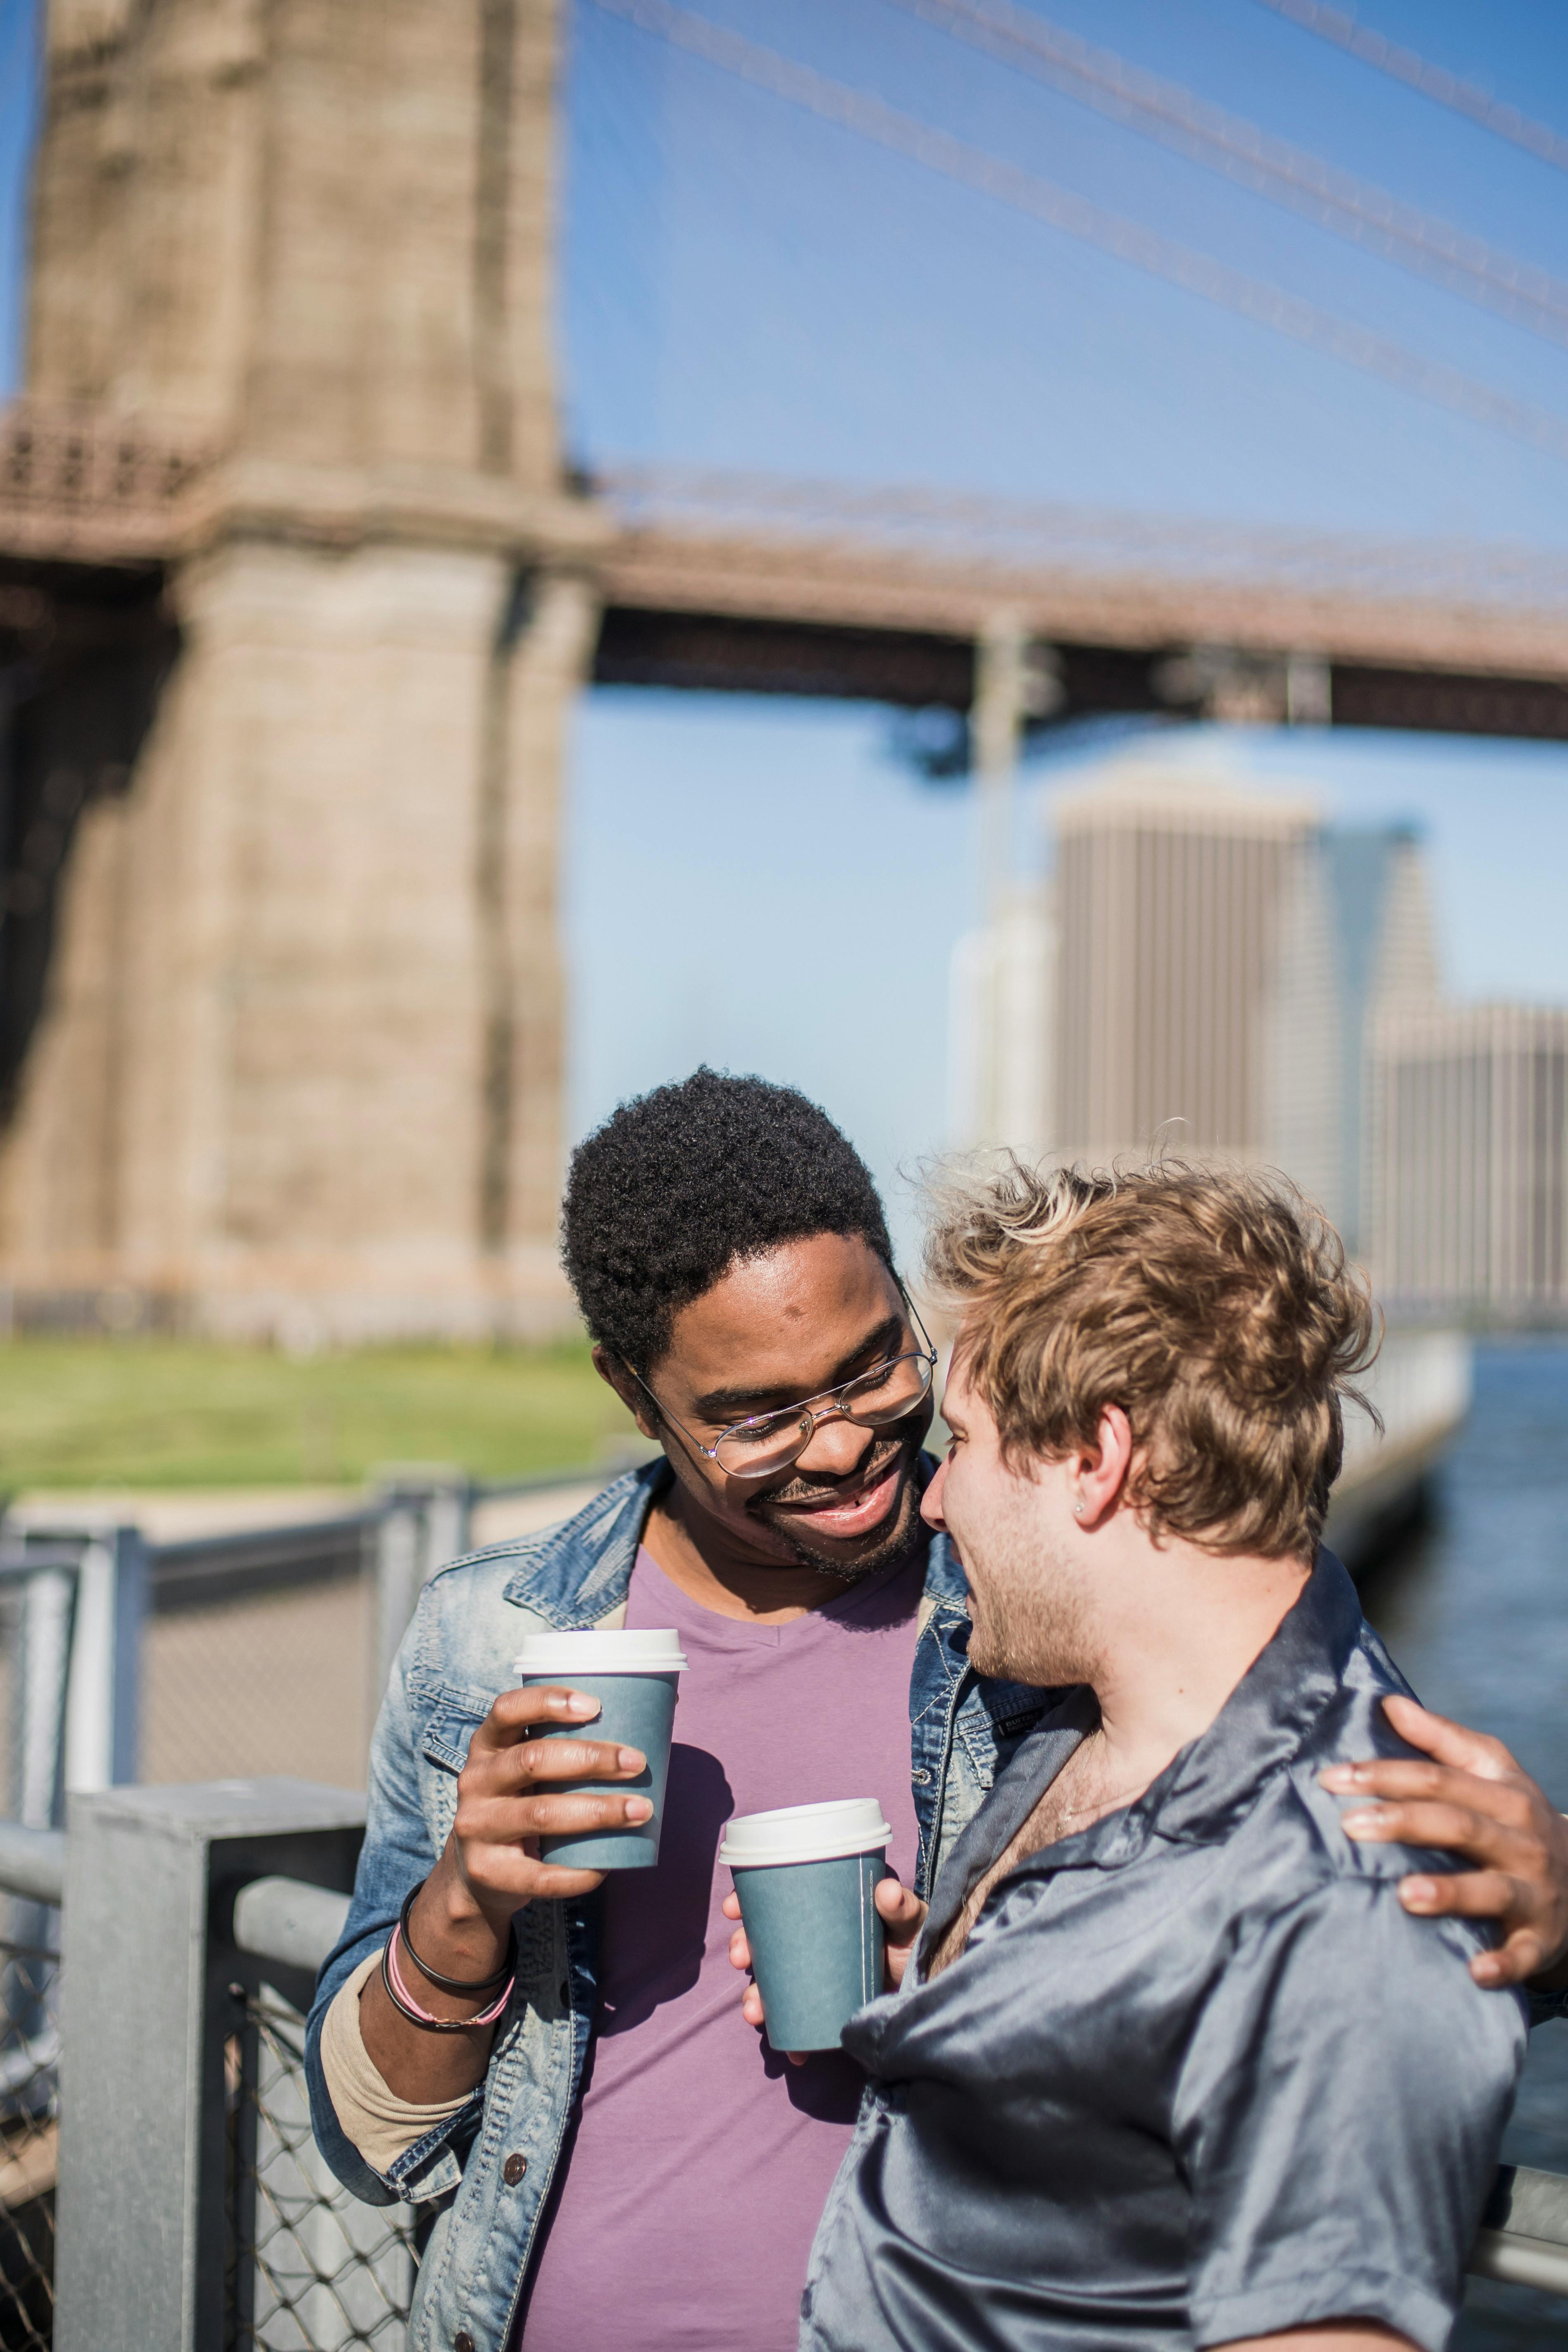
<point>401,2000</point>
<point>460,1986</point>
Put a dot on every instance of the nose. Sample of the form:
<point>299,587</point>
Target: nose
<point>931,1501</point>
<point>836,1447</point>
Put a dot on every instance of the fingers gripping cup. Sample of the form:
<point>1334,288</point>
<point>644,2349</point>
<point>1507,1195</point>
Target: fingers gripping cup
<point>633,1676</point>
<point>806,1876</point>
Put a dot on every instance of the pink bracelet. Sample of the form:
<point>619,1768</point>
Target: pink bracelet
<point>402,1999</point>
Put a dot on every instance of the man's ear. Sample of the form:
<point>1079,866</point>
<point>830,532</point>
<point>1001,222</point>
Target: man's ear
<point>612,1370</point>
<point>1102,1470</point>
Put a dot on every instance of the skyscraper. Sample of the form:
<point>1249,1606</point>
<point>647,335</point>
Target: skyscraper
<point>1203,974</point>
<point>1358,948</point>
<point>1470,1160</point>
<point>1170,896</point>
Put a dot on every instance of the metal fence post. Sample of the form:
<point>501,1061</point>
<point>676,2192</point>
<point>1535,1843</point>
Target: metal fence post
<point>426,1517</point>
<point>48,1600</point>
<point>103,1688</point>
<point>398,1578</point>
<point>448,1515</point>
<point>151,1880</point>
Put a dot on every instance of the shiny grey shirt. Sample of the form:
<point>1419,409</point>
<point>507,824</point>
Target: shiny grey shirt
<point>1196,2075</point>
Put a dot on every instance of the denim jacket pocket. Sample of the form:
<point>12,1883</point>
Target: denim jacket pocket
<point>447,1731</point>
<point>444,1736</point>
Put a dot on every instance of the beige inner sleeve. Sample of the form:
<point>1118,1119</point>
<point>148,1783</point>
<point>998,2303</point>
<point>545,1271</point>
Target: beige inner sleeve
<point>381,2126</point>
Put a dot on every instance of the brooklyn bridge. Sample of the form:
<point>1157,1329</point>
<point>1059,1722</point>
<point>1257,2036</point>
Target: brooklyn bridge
<point>297,590</point>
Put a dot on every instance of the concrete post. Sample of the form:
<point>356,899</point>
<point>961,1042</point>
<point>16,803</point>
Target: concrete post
<point>151,1880</point>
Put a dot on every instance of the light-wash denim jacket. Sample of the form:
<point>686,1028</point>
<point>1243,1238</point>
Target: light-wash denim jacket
<point>487,2170</point>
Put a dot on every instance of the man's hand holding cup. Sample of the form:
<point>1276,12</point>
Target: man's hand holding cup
<point>509,1796</point>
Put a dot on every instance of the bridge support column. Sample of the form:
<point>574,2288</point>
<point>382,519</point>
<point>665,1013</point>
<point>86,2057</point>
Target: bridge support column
<point>303,1030</point>
<point>297,1064</point>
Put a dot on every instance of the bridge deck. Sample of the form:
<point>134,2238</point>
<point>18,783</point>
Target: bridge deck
<point>749,584</point>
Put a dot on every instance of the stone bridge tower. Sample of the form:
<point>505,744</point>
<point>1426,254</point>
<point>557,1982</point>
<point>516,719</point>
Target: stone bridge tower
<point>298,1060</point>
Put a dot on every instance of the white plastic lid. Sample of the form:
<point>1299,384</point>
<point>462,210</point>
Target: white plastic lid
<point>806,1833</point>
<point>600,1650</point>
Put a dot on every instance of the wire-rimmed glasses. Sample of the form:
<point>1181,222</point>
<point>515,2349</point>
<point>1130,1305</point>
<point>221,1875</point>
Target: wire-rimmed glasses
<point>768,1442</point>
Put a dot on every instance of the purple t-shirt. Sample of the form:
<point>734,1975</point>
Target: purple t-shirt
<point>699,2161</point>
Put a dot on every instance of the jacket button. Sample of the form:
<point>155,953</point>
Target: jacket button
<point>512,2170</point>
<point>462,2341</point>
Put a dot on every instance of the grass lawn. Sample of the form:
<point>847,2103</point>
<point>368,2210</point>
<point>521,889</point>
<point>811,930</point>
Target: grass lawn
<point>178,1413</point>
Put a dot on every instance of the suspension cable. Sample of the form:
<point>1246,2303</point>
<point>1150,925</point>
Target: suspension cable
<point>1435,82</point>
<point>871,118</point>
<point>1250,157</point>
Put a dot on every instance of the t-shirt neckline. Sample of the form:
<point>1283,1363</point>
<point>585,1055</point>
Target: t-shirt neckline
<point>691,1617</point>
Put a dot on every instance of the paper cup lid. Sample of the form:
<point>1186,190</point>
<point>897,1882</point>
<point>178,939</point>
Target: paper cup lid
<point>806,1833</point>
<point>600,1650</point>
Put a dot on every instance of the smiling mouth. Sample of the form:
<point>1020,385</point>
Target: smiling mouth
<point>855,1513</point>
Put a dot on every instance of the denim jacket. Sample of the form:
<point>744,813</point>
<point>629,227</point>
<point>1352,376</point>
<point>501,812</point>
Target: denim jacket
<point>489,2167</point>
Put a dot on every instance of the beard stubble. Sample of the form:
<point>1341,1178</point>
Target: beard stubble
<point>895,1536</point>
<point>1032,1619</point>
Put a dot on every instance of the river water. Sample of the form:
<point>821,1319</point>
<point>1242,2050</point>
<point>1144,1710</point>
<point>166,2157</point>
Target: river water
<point>1475,1610</point>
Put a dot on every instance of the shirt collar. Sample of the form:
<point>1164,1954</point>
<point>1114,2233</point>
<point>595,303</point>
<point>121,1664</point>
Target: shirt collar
<point>1211,1783</point>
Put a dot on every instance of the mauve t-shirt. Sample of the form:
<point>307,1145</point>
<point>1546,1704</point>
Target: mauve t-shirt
<point>699,2161</point>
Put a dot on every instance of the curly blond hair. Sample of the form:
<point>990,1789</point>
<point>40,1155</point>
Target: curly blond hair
<point>1215,1306</point>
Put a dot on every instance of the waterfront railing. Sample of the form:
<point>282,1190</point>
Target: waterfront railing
<point>159,2186</point>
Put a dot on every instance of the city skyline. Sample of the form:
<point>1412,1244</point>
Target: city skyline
<point>1085,382</point>
<point>1219,972</point>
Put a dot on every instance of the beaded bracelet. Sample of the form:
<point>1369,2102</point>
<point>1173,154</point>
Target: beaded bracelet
<point>454,1984</point>
<point>398,1994</point>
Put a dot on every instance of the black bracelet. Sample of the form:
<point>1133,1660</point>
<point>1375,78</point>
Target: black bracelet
<point>426,2024</point>
<point>453,1984</point>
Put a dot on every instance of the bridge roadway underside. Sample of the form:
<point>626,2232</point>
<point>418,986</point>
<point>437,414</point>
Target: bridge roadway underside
<point>85,649</point>
<point>915,669</point>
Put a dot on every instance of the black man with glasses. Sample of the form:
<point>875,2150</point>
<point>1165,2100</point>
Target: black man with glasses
<point>621,2157</point>
<point>603,2147</point>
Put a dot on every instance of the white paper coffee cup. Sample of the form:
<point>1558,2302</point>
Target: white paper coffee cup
<point>634,1676</point>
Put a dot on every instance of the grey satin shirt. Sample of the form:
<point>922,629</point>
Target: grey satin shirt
<point>1198,2075</point>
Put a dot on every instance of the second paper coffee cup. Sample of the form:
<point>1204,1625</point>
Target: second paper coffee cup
<point>633,1676</point>
<point>805,1876</point>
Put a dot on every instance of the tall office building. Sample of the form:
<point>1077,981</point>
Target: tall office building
<point>1469,1158</point>
<point>1172,893</point>
<point>1203,974</point>
<point>1358,948</point>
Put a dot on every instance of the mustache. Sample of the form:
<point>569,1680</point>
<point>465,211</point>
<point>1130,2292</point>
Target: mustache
<point>804,1490</point>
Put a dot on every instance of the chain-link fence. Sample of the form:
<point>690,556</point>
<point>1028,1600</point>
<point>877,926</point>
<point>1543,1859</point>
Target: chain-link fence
<point>29,2126</point>
<point>309,2268</point>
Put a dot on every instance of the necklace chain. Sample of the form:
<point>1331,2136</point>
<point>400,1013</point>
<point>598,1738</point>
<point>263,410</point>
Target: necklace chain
<point>1100,1804</point>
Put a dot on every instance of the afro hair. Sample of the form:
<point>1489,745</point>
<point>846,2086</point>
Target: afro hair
<point>677,1185</point>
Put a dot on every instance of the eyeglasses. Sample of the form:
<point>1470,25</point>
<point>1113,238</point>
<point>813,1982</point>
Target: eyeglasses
<point>771,1441</point>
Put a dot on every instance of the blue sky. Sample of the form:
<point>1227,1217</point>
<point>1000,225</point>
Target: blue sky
<point>762,883</point>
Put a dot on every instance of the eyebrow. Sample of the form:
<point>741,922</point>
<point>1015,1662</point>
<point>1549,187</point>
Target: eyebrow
<point>741,1404</point>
